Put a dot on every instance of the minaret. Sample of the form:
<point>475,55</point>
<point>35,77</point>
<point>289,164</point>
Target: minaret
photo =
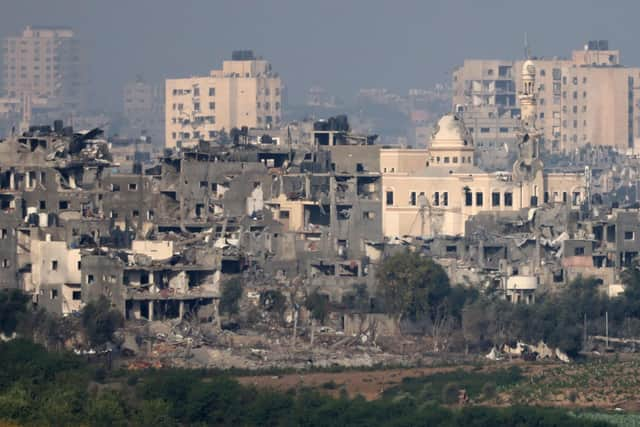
<point>528,110</point>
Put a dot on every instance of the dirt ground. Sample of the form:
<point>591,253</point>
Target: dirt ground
<point>369,384</point>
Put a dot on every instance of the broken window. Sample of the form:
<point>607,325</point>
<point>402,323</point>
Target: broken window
<point>508,199</point>
<point>479,198</point>
<point>3,233</point>
<point>576,198</point>
<point>389,198</point>
<point>368,215</point>
<point>135,213</point>
<point>79,265</point>
<point>150,215</point>
<point>495,199</point>
<point>54,265</point>
<point>91,279</point>
<point>115,187</point>
<point>54,294</point>
<point>76,295</point>
<point>133,186</point>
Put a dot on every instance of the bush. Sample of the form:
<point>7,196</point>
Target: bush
<point>489,390</point>
<point>450,393</point>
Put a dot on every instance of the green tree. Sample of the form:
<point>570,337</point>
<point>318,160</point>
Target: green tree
<point>318,305</point>
<point>412,286</point>
<point>101,321</point>
<point>230,297</point>
<point>13,304</point>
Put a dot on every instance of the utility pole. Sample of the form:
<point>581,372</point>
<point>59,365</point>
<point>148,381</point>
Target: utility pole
<point>606,327</point>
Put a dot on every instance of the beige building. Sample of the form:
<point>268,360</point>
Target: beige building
<point>434,191</point>
<point>44,64</point>
<point>586,99</point>
<point>245,92</point>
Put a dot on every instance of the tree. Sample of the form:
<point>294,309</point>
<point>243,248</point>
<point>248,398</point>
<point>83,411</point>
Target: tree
<point>318,305</point>
<point>412,286</point>
<point>13,303</point>
<point>100,321</point>
<point>230,297</point>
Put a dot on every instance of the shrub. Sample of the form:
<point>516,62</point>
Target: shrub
<point>450,393</point>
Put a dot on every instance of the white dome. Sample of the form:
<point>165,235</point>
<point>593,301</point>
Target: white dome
<point>451,131</point>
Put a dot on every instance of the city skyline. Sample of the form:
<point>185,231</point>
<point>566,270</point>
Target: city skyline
<point>341,47</point>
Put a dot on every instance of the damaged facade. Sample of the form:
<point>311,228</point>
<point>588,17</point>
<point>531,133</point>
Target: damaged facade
<point>314,207</point>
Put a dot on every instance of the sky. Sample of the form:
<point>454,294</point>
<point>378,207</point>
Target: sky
<point>340,45</point>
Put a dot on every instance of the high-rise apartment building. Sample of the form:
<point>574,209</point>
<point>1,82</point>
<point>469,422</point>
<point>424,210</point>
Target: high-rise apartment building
<point>588,99</point>
<point>144,111</point>
<point>44,65</point>
<point>245,92</point>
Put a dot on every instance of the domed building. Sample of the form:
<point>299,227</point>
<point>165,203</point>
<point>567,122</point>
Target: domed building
<point>434,191</point>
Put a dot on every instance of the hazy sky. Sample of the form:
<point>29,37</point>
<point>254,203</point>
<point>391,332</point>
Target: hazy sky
<point>341,45</point>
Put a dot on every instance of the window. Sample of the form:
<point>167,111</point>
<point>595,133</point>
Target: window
<point>133,186</point>
<point>629,235</point>
<point>479,197</point>
<point>504,130</point>
<point>455,159</point>
<point>6,263</point>
<point>284,215</point>
<point>79,265</point>
<point>436,199</point>
<point>446,159</point>
<point>485,130</point>
<point>212,106</point>
<point>508,199</point>
<point>76,295</point>
<point>196,106</point>
<point>91,279</point>
<point>495,199</point>
<point>578,251</point>
<point>115,187</point>
<point>3,233</point>
<point>135,213</point>
<point>196,91</point>
<point>389,198</point>
<point>564,197</point>
<point>368,215</point>
<point>445,199</point>
<point>212,91</point>
<point>43,204</point>
<point>468,198</point>
<point>412,198</point>
<point>54,265</point>
<point>63,204</point>
<point>54,293</point>
<point>542,72</point>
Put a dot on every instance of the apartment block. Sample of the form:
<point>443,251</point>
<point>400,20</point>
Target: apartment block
<point>589,99</point>
<point>245,92</point>
<point>45,65</point>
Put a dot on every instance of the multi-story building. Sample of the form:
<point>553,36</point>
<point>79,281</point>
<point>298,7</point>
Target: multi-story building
<point>588,99</point>
<point>44,65</point>
<point>144,111</point>
<point>246,92</point>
